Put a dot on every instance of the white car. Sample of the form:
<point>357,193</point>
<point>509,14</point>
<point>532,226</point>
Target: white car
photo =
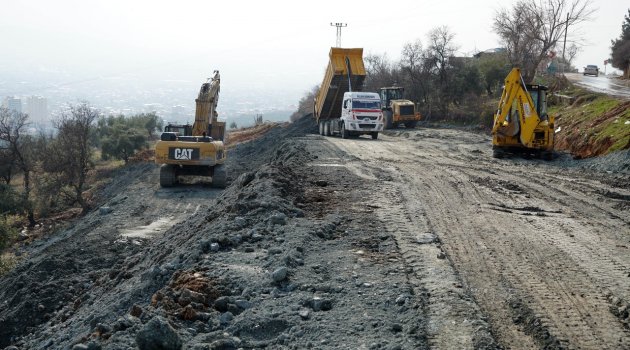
<point>591,69</point>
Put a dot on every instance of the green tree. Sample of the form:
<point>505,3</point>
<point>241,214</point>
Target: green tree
<point>620,49</point>
<point>122,143</point>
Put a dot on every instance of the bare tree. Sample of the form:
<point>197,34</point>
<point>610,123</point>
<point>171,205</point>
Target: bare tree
<point>437,57</point>
<point>15,146</point>
<point>71,158</point>
<point>571,53</point>
<point>379,72</point>
<point>306,104</point>
<point>533,27</point>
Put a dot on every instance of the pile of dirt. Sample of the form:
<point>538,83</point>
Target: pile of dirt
<point>269,263</point>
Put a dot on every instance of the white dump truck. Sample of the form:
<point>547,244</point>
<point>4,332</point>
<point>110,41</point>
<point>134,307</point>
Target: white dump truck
<point>340,107</point>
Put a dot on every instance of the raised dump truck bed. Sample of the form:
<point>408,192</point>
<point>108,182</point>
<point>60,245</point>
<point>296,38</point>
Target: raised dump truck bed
<point>336,81</point>
<point>341,107</point>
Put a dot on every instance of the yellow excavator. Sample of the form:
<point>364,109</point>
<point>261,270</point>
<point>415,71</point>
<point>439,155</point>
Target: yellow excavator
<point>196,150</point>
<point>521,122</point>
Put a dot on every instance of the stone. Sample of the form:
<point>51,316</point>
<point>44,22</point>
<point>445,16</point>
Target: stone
<point>221,304</point>
<point>278,219</point>
<point>226,318</point>
<point>279,274</point>
<point>80,347</point>
<point>304,314</point>
<point>104,210</point>
<point>320,304</point>
<point>214,247</point>
<point>158,334</point>
<point>243,304</point>
<point>441,255</point>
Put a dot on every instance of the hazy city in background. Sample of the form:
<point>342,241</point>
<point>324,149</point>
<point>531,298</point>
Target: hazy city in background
<point>134,57</point>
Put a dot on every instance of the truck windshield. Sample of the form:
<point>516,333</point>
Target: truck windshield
<point>366,104</point>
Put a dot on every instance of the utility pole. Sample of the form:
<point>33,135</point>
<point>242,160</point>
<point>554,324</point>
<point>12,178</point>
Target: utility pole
<point>564,47</point>
<point>339,26</point>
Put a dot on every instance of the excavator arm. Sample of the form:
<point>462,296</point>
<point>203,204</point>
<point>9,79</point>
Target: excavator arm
<point>205,112</point>
<point>516,114</point>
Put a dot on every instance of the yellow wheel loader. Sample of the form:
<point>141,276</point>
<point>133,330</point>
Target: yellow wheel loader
<point>198,149</point>
<point>521,122</point>
<point>397,110</point>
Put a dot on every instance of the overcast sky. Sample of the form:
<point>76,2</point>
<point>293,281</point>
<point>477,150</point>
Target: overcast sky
<point>275,45</point>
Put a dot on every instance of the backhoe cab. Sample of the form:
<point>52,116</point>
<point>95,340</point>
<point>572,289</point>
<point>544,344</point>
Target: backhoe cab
<point>521,123</point>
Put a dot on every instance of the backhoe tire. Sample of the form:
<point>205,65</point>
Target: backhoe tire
<point>219,176</point>
<point>374,135</point>
<point>344,132</point>
<point>497,153</point>
<point>411,125</point>
<point>388,118</point>
<point>168,175</point>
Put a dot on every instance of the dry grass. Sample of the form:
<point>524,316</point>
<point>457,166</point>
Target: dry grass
<point>238,136</point>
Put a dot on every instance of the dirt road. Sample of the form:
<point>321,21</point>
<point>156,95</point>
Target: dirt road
<point>417,240</point>
<point>542,249</point>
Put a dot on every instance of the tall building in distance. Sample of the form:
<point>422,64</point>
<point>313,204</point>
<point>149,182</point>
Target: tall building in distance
<point>37,108</point>
<point>13,103</point>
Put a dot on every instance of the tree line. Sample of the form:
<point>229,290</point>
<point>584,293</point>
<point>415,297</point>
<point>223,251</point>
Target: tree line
<point>43,172</point>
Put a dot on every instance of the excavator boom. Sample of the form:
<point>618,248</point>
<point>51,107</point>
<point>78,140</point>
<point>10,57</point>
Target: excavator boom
<point>207,100</point>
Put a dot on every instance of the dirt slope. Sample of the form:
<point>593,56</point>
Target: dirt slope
<point>418,240</point>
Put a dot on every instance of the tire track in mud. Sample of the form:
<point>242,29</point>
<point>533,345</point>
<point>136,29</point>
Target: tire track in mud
<point>544,264</point>
<point>454,319</point>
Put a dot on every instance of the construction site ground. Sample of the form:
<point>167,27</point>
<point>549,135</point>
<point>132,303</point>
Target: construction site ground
<point>417,240</point>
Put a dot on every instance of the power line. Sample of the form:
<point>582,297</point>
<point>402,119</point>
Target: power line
<point>339,26</point>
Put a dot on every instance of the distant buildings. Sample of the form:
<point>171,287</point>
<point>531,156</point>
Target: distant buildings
<point>13,103</point>
<point>35,106</point>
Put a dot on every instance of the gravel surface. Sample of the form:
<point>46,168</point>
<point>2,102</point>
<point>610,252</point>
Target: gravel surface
<point>417,240</point>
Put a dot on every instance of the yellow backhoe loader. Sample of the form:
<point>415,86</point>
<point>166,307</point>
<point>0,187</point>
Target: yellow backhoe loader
<point>521,123</point>
<point>198,149</point>
<point>396,109</point>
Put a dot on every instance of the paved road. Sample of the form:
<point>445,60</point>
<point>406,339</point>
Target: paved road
<point>614,87</point>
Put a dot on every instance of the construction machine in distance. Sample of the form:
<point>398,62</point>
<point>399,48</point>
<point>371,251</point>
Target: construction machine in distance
<point>521,122</point>
<point>198,149</point>
<point>396,109</point>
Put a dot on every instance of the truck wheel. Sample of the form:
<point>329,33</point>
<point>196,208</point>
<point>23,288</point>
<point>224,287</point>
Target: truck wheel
<point>411,125</point>
<point>326,128</point>
<point>374,135</point>
<point>321,128</point>
<point>168,176</point>
<point>219,176</point>
<point>344,133</point>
